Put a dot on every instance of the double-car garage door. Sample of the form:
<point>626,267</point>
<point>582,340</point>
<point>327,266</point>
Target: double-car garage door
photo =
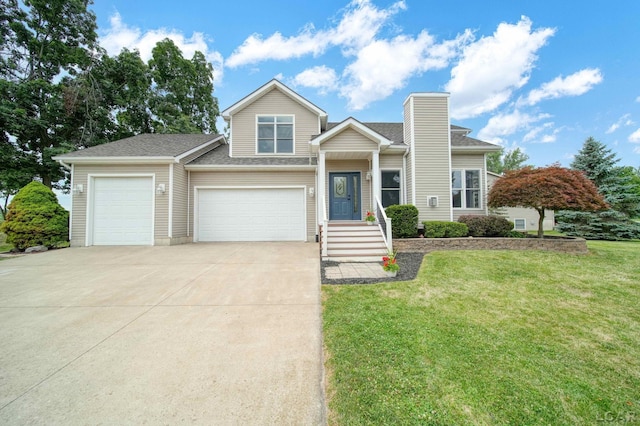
<point>250,214</point>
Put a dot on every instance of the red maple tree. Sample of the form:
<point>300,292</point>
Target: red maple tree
<point>546,188</point>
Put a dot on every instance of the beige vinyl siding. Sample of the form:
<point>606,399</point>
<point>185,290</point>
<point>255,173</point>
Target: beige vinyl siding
<point>349,140</point>
<point>180,196</point>
<point>408,120</point>
<point>361,166</point>
<point>432,155</point>
<point>272,103</point>
<point>391,162</point>
<point>161,218</point>
<point>258,179</point>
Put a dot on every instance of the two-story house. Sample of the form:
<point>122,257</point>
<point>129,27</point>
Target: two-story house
<point>286,173</point>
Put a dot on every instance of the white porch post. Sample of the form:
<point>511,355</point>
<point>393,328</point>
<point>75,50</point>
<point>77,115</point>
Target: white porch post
<point>375,178</point>
<point>320,195</point>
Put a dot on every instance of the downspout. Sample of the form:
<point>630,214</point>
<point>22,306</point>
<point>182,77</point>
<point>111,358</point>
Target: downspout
<point>188,203</point>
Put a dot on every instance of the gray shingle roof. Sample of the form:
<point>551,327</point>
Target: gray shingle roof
<point>395,133</point>
<point>145,145</point>
<point>220,157</point>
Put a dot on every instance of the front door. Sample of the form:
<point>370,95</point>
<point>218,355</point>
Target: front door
<point>344,196</point>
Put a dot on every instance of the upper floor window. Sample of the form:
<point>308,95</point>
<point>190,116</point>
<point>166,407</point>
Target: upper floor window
<point>275,134</point>
<point>465,185</point>
<point>390,187</point>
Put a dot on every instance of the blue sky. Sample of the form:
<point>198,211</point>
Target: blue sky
<point>541,75</point>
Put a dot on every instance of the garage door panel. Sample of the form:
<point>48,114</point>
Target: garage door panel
<point>123,211</point>
<point>251,214</point>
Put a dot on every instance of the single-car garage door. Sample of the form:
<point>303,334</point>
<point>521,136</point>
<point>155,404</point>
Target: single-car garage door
<point>251,214</point>
<point>122,211</point>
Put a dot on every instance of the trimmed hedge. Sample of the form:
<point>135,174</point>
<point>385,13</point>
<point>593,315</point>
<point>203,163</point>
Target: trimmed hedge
<point>35,218</point>
<point>404,220</point>
<point>487,226</point>
<point>441,229</point>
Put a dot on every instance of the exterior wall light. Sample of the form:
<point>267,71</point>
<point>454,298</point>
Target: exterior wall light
<point>78,189</point>
<point>160,189</point>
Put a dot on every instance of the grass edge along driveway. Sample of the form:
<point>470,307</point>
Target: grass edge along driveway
<point>490,337</point>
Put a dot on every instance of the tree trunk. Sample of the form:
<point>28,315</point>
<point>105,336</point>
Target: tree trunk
<point>540,223</point>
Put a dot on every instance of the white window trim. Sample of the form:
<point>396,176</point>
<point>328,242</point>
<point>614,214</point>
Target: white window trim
<point>392,169</point>
<point>515,227</point>
<point>279,154</point>
<point>464,189</point>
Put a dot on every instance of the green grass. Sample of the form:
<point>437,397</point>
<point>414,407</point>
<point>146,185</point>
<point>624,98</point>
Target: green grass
<point>490,337</point>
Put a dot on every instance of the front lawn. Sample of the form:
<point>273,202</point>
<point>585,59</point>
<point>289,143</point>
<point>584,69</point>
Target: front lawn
<point>490,337</point>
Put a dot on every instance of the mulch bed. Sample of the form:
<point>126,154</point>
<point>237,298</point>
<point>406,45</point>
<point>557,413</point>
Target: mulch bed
<point>409,266</point>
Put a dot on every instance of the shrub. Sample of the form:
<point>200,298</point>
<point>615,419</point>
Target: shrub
<point>516,234</point>
<point>440,229</point>
<point>34,217</point>
<point>404,220</point>
<point>486,226</point>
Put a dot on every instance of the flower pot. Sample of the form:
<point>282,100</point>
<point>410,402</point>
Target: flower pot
<point>370,223</point>
<point>391,274</point>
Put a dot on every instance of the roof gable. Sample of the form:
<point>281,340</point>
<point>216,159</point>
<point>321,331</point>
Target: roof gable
<point>351,123</point>
<point>274,84</point>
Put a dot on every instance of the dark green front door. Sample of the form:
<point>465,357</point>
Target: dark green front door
<point>344,196</point>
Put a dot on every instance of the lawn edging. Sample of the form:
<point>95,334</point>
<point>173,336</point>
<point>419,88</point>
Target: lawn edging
<point>560,244</point>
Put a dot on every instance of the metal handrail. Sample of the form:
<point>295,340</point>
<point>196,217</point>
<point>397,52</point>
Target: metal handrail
<point>385,225</point>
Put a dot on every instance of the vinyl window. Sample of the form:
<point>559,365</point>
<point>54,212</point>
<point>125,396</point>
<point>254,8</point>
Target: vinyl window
<point>275,134</point>
<point>465,185</point>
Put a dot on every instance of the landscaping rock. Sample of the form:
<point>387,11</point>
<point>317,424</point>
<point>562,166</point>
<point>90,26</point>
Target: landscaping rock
<point>36,249</point>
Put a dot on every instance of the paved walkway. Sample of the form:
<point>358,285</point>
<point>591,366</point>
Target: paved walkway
<point>212,334</point>
<point>355,270</point>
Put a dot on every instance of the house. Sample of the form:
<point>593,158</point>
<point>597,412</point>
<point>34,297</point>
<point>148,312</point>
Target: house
<point>524,219</point>
<point>285,174</point>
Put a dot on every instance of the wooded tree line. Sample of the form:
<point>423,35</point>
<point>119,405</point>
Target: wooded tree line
<point>59,91</point>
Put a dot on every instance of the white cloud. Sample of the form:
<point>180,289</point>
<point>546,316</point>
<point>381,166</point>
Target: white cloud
<point>403,57</point>
<point>573,85</point>
<point>625,120</point>
<point>638,99</point>
<point>635,136</point>
<point>359,25</point>
<point>119,35</point>
<point>533,133</point>
<point>501,125</point>
<point>493,67</point>
<point>636,150</point>
<point>321,77</point>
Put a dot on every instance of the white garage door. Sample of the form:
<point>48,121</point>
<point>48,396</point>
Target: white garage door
<point>253,214</point>
<point>122,211</point>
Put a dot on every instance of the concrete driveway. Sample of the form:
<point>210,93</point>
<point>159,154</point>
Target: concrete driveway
<point>226,333</point>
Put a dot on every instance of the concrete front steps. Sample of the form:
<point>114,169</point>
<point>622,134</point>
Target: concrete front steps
<point>354,242</point>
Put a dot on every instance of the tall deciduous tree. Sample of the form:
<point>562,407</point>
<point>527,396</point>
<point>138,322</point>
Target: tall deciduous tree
<point>41,41</point>
<point>502,161</point>
<point>546,188</point>
<point>182,101</point>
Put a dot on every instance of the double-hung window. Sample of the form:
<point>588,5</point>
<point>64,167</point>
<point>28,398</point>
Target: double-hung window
<point>390,187</point>
<point>465,185</point>
<point>275,134</point>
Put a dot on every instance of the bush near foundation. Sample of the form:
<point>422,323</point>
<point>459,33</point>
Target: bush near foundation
<point>34,217</point>
<point>442,229</point>
<point>486,226</point>
<point>404,220</point>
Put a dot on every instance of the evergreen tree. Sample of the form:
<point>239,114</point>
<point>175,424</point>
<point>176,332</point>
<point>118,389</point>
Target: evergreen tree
<point>619,189</point>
